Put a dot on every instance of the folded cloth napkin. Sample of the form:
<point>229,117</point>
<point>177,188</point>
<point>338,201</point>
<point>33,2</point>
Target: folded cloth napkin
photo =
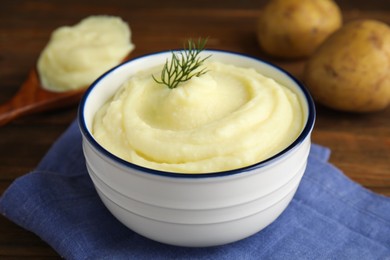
<point>330,217</point>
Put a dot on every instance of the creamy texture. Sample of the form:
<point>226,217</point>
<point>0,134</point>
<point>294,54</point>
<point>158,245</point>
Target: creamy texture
<point>228,118</point>
<point>76,56</point>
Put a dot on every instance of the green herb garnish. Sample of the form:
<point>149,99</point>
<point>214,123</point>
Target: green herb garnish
<point>183,65</point>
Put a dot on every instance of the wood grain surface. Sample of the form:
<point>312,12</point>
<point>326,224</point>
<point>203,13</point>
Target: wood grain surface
<point>360,143</point>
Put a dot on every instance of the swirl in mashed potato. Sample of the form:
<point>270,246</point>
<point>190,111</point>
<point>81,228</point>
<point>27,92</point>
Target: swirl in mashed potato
<point>77,55</point>
<point>228,118</point>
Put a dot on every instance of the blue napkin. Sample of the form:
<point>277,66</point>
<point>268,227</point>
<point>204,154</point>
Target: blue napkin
<point>330,217</point>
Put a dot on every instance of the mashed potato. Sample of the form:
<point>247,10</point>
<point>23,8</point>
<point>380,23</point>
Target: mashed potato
<point>76,56</point>
<point>228,118</point>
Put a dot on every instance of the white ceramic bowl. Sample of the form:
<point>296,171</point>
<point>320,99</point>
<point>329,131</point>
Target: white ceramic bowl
<point>194,209</point>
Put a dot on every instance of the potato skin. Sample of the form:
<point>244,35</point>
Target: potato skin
<point>351,70</point>
<point>295,28</point>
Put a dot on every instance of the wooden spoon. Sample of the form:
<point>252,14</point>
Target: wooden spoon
<point>32,98</point>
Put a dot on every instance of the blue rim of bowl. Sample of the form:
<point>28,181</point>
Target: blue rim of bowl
<point>305,132</point>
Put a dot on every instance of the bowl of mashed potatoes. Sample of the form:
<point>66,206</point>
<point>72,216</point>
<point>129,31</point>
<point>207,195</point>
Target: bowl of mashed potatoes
<point>210,162</point>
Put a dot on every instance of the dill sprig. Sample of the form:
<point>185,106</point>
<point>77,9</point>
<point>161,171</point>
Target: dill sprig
<point>183,65</point>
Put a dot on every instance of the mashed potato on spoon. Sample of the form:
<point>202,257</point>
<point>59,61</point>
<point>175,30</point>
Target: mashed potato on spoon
<point>77,55</point>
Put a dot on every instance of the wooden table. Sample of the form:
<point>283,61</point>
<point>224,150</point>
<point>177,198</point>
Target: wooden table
<point>360,143</point>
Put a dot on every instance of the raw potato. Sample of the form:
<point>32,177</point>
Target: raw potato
<point>295,28</point>
<point>351,69</point>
